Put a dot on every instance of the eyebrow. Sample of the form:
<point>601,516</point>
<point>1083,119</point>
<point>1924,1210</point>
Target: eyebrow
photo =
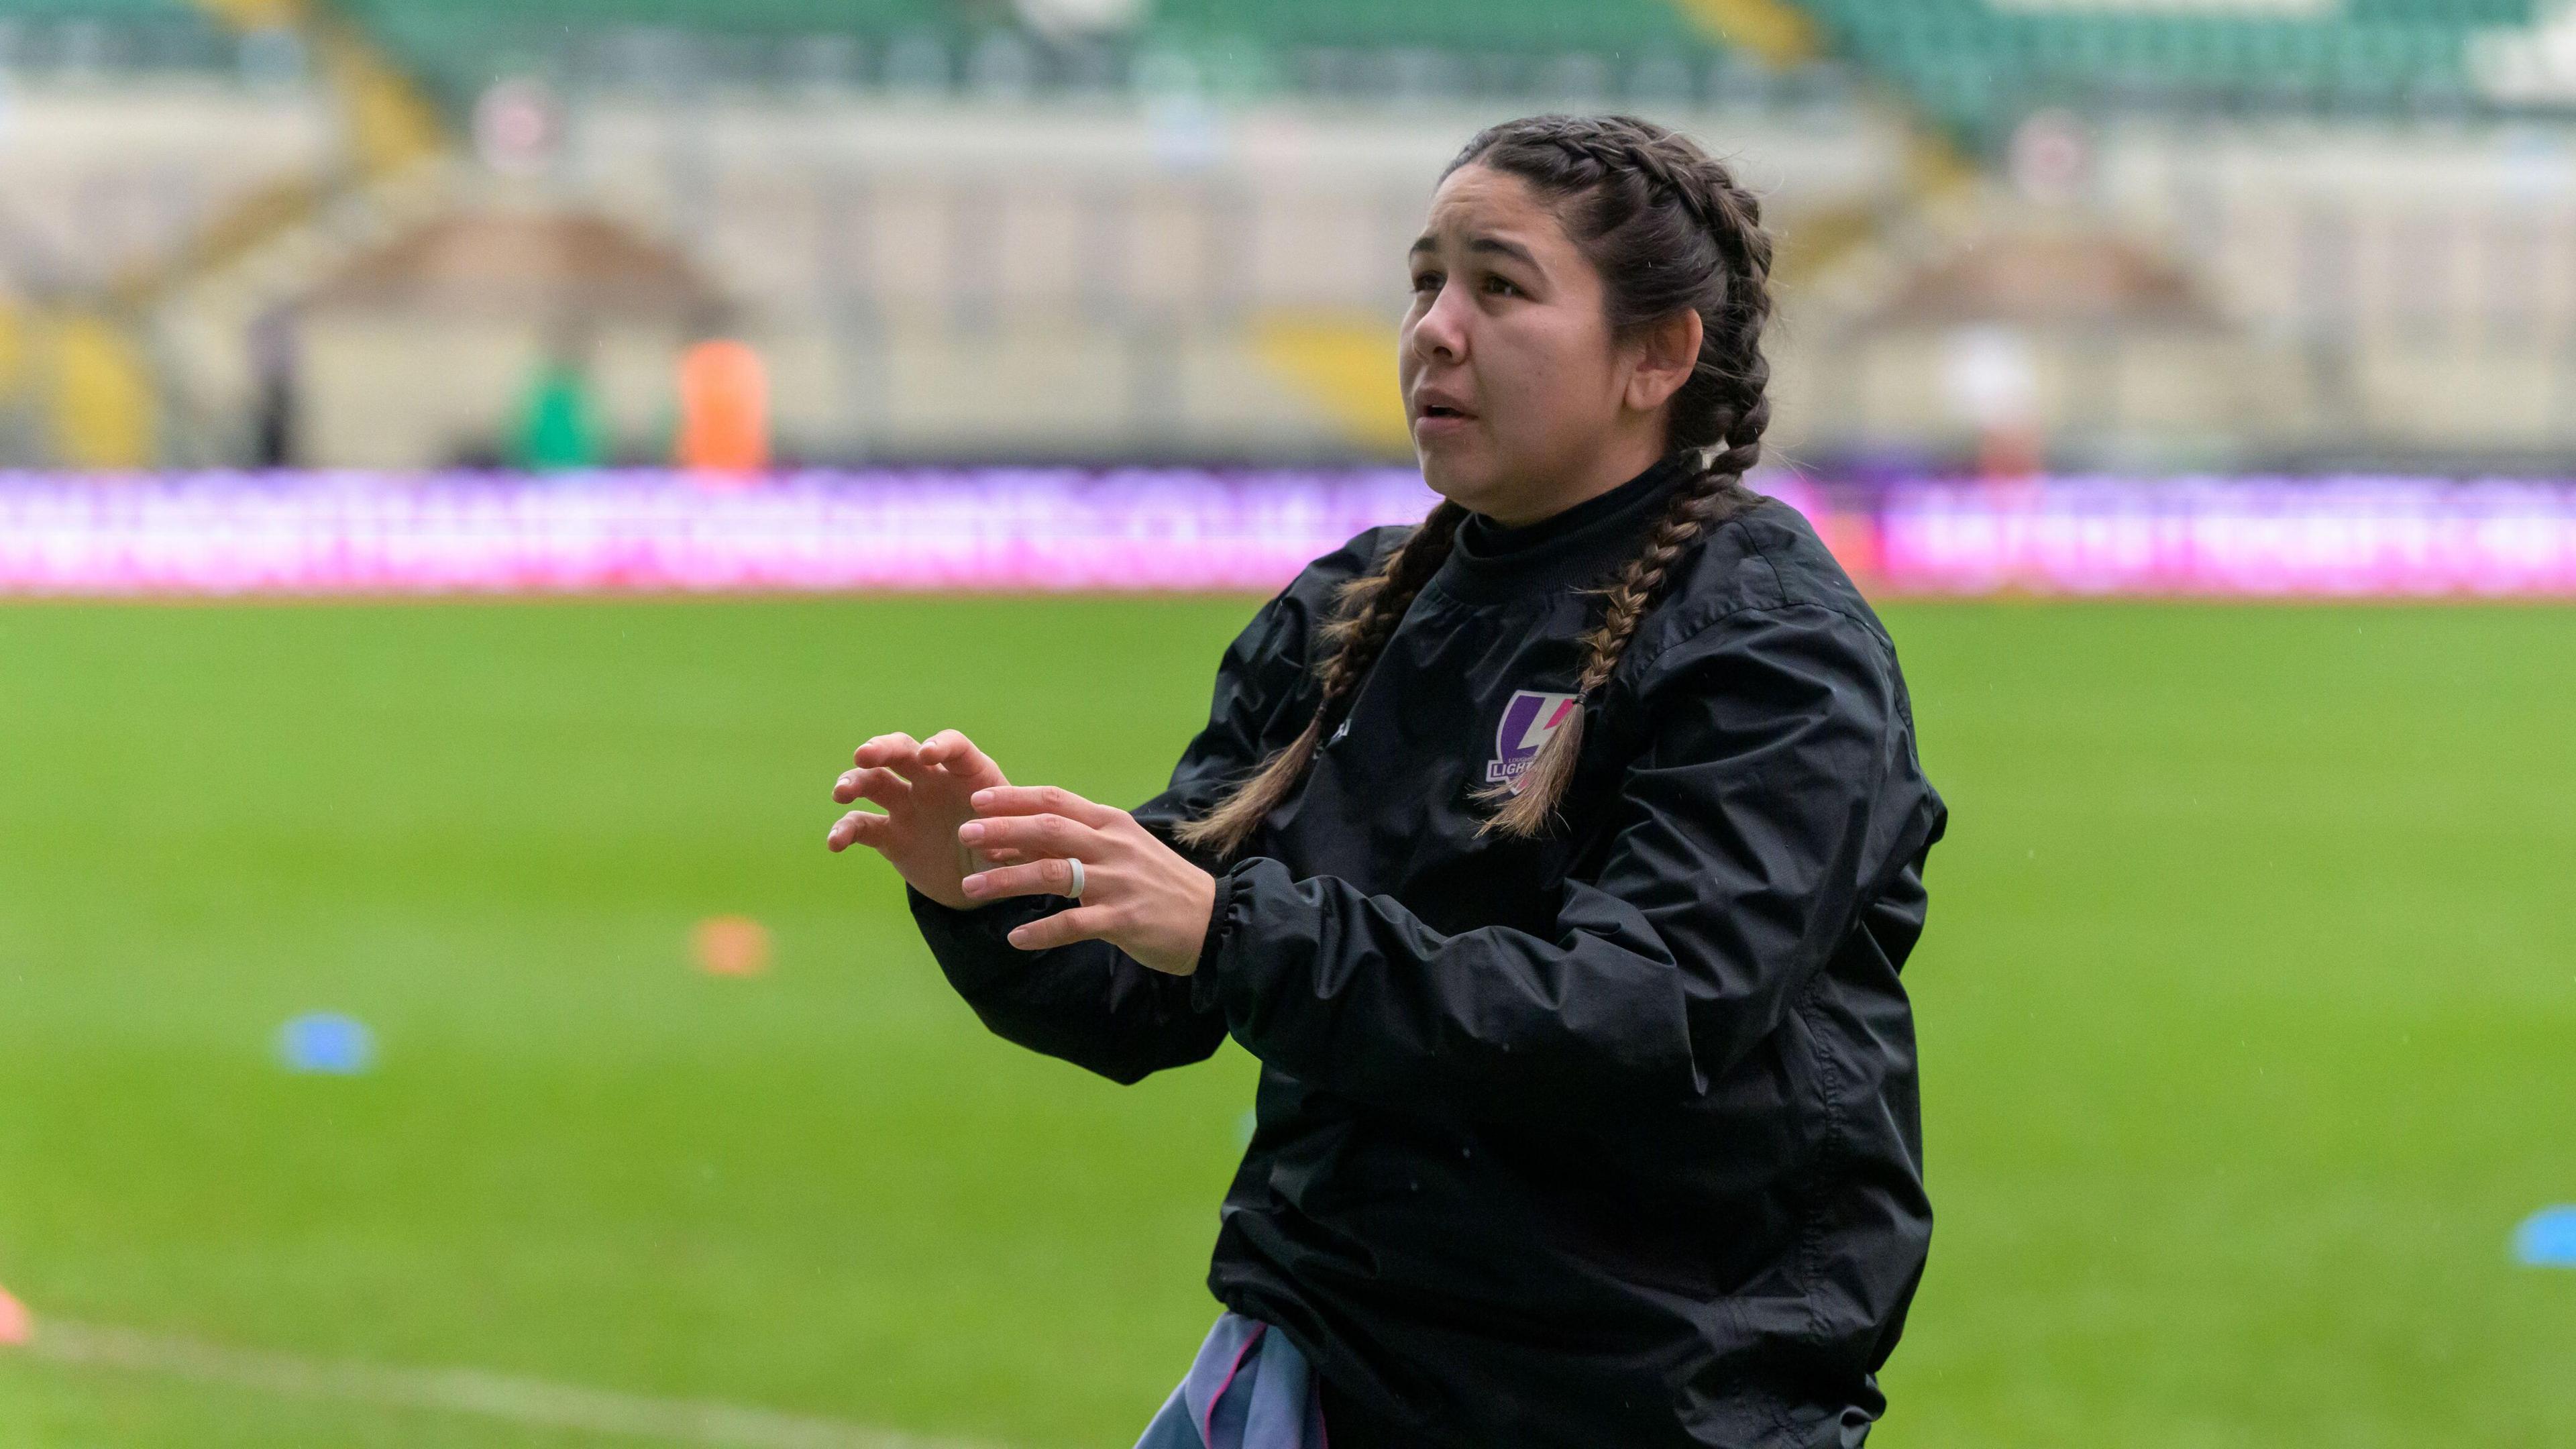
<point>1495,245</point>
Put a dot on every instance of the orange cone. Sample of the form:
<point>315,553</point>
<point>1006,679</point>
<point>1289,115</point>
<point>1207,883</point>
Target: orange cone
<point>731,946</point>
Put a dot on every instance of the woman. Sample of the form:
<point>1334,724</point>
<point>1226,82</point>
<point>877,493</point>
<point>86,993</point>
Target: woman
<point>1556,856</point>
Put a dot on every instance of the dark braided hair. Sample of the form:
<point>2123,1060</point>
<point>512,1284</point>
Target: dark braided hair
<point>1669,230</point>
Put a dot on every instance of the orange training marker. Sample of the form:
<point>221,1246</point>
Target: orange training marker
<point>724,410</point>
<point>17,1325</point>
<point>731,946</point>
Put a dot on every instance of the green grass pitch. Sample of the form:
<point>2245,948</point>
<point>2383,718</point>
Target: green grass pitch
<point>2247,1010</point>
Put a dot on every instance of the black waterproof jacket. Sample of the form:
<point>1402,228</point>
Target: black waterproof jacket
<point>1605,1139</point>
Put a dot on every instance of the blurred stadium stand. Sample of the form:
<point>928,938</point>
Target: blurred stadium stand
<point>90,37</point>
<point>1978,65</point>
<point>1000,50</point>
<point>2198,233</point>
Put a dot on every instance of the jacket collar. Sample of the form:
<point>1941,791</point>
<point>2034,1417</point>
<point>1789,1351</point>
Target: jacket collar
<point>1577,548</point>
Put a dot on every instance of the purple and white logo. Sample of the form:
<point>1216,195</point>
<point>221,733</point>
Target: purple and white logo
<point>1527,722</point>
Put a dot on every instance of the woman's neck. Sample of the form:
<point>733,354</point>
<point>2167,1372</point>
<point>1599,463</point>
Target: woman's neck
<point>1606,468</point>
<point>1486,537</point>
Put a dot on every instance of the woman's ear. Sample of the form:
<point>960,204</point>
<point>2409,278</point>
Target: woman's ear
<point>1667,351</point>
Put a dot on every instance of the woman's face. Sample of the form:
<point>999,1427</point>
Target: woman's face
<point>1515,389</point>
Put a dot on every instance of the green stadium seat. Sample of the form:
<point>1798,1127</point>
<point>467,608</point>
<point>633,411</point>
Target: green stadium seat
<point>1976,65</point>
<point>459,45</point>
<point>1979,68</point>
<point>1545,26</point>
<point>114,35</point>
<point>100,10</point>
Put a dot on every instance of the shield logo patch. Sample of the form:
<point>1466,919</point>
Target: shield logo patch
<point>1528,720</point>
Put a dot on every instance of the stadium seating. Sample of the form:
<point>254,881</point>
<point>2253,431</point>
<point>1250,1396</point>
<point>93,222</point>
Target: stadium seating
<point>97,10</point>
<point>1465,26</point>
<point>103,35</point>
<point>459,45</point>
<point>1980,64</point>
<point>1975,66</point>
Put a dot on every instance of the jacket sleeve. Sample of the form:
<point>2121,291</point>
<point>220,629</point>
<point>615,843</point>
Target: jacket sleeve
<point>1776,784</point>
<point>1091,1003</point>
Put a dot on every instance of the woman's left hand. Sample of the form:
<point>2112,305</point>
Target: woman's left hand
<point>1138,894</point>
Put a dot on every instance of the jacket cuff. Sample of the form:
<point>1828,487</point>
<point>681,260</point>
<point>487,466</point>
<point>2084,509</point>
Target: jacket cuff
<point>973,945</point>
<point>1203,982</point>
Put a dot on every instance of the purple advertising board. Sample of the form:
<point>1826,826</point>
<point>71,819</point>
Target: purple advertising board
<point>1022,530</point>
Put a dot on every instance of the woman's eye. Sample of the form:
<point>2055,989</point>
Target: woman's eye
<point>1502,287</point>
<point>1426,281</point>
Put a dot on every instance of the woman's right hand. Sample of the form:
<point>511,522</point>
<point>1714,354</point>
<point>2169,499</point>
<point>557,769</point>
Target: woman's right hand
<point>926,790</point>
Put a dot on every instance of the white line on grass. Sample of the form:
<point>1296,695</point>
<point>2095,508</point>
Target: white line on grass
<point>528,1401</point>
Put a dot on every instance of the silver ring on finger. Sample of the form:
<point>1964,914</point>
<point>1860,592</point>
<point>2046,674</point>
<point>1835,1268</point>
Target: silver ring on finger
<point>1075,891</point>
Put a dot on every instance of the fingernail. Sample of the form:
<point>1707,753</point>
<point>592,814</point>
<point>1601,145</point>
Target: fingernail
<point>973,885</point>
<point>981,798</point>
<point>971,831</point>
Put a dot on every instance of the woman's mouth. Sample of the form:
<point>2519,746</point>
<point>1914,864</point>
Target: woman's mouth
<point>1435,419</point>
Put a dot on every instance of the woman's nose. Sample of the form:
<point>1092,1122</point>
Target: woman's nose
<point>1441,335</point>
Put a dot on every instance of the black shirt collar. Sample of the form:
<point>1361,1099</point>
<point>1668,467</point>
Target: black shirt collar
<point>1573,547</point>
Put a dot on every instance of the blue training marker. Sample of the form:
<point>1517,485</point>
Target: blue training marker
<point>327,1042</point>
<point>2547,1239</point>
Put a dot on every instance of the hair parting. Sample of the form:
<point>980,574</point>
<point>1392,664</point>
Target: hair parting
<point>1669,230</point>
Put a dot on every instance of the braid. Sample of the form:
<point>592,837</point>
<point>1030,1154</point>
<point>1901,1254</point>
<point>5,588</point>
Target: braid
<point>1709,499</point>
<point>1669,229</point>
<point>1367,609</point>
<point>1371,605</point>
